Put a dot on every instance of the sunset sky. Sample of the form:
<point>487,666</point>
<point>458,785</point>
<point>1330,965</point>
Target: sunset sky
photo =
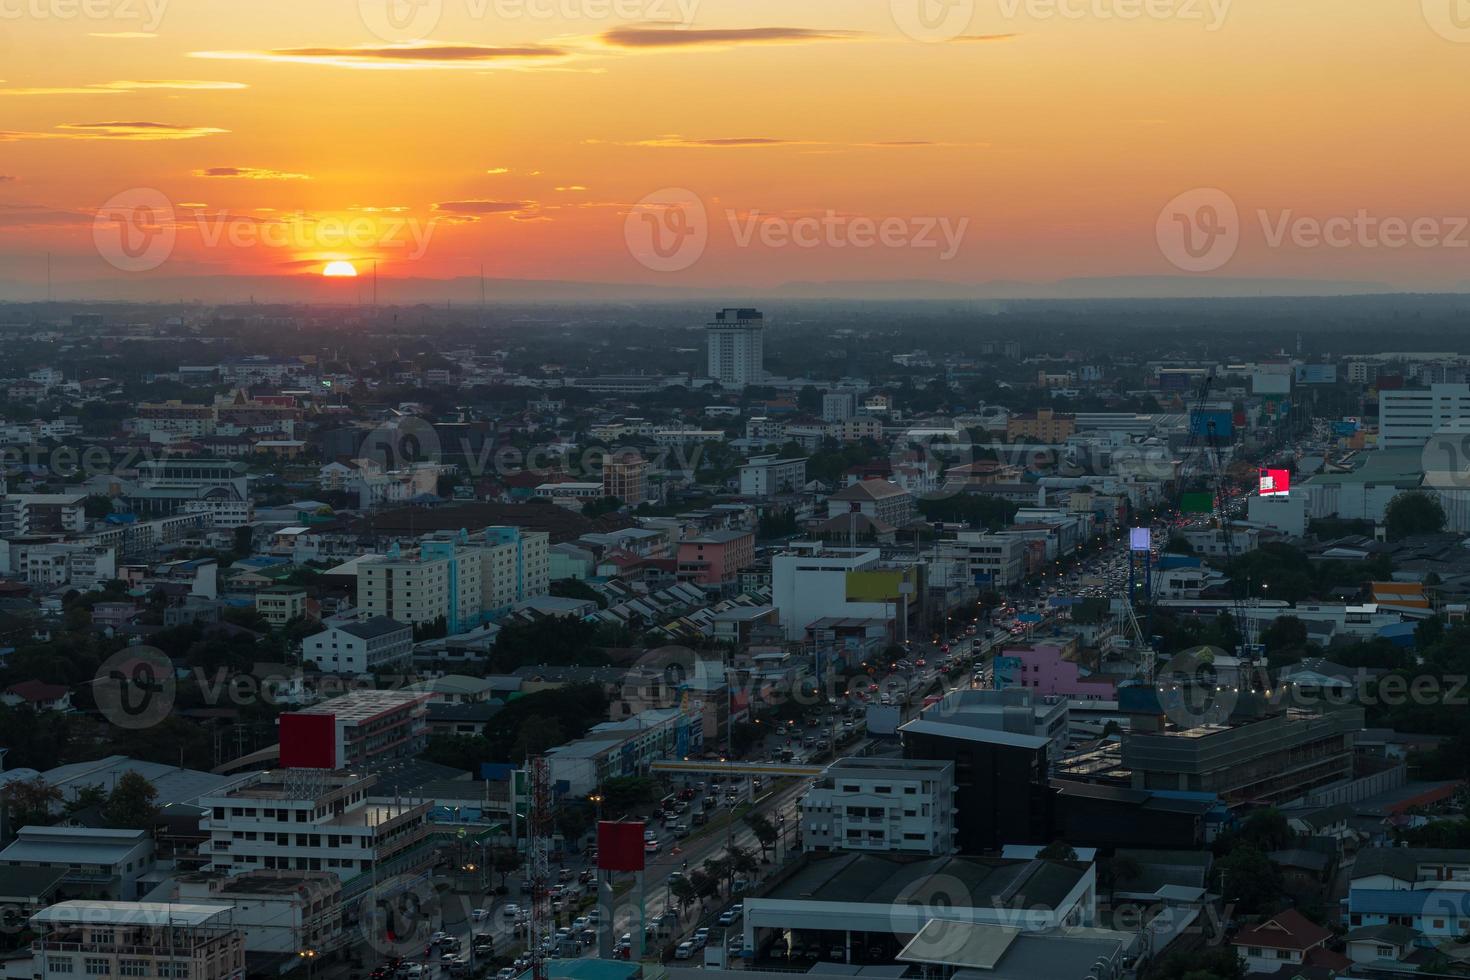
<point>285,135</point>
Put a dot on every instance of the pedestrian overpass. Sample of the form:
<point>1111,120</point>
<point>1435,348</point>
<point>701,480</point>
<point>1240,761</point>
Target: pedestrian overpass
<point>714,767</point>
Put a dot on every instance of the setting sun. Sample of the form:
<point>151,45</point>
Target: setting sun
<point>339,270</point>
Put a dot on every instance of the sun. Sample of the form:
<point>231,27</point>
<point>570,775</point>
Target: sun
<point>336,270</point>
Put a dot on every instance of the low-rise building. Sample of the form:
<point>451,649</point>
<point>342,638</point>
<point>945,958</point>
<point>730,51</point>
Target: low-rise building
<point>362,647</point>
<point>99,862</point>
<point>861,804</point>
<point>138,939</point>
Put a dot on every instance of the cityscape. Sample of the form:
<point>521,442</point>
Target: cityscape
<point>698,490</point>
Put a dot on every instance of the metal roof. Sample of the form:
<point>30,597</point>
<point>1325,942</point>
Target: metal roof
<point>129,913</point>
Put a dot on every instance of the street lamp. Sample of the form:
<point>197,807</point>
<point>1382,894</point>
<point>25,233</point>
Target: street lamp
<point>309,955</point>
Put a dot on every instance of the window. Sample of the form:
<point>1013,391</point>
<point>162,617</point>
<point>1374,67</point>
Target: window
<point>59,965</point>
<point>98,966</point>
<point>133,968</point>
<point>1253,951</point>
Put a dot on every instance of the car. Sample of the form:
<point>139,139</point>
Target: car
<point>581,922</point>
<point>565,874</point>
<point>836,953</point>
<point>505,973</point>
<point>650,846</point>
<point>511,910</point>
<point>479,915</point>
<point>684,951</point>
<point>437,938</point>
<point>727,918</point>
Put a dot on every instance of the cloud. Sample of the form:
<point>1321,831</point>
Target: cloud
<point>646,37</point>
<point>572,188</point>
<point>116,88</point>
<point>123,35</point>
<point>119,131</point>
<point>723,142</point>
<point>249,173</point>
<point>484,207</point>
<point>985,37</point>
<point>6,179</point>
<point>34,215</point>
<point>400,57</point>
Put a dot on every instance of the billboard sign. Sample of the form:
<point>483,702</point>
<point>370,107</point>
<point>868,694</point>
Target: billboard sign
<point>620,845</point>
<point>1140,539</point>
<point>309,741</point>
<point>1275,483</point>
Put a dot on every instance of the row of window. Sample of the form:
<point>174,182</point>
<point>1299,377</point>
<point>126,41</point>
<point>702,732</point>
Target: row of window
<point>97,966</point>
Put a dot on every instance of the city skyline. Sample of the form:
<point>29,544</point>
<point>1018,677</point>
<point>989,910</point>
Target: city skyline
<point>706,146</point>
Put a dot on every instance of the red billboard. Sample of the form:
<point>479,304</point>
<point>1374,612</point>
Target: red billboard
<point>309,741</point>
<point>1275,483</point>
<point>620,845</point>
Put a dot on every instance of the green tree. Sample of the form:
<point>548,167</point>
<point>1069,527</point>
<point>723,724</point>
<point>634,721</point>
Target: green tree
<point>29,802</point>
<point>764,830</point>
<point>131,804</point>
<point>1267,830</point>
<point>1413,512</point>
<point>1283,633</point>
<point>1058,850</point>
<point>684,891</point>
<point>1248,879</point>
<point>459,751</point>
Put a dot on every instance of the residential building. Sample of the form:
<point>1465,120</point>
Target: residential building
<point>811,582</point>
<point>280,604</point>
<point>363,647</point>
<point>991,560</point>
<point>900,807</point>
<point>878,500</point>
<point>99,862</point>
<point>839,406</point>
<point>1043,425</point>
<point>624,477</point>
<point>1422,888</point>
<point>770,476</point>
<point>174,417</point>
<point>1287,941</point>
<point>737,347</point>
<point>716,558</point>
<point>294,820</point>
<point>613,749</point>
<point>138,939</point>
<point>441,582</point>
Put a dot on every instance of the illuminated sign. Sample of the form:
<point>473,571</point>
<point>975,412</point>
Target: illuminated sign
<point>1275,483</point>
<point>1140,539</point>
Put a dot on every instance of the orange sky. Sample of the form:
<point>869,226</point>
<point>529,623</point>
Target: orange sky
<point>1032,139</point>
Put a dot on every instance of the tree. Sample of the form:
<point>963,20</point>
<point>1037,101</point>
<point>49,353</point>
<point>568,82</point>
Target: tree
<point>28,802</point>
<point>1057,850</point>
<point>1123,868</point>
<point>601,506</point>
<point>684,891</point>
<point>1221,962</point>
<point>1247,879</point>
<point>130,805</point>
<point>86,798</point>
<point>536,736</point>
<point>764,830</point>
<point>705,886</point>
<point>459,751</point>
<point>1267,830</point>
<point>1284,632</point>
<point>1413,512</point>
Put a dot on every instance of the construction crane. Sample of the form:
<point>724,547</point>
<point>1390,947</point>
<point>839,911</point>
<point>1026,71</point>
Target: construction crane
<point>540,927</point>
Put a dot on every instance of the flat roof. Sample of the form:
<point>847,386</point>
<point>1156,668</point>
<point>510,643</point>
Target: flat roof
<point>974,733</point>
<point>888,878</point>
<point>129,913</point>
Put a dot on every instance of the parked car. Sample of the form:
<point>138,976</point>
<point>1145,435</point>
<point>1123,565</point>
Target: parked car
<point>511,910</point>
<point>479,915</point>
<point>684,951</point>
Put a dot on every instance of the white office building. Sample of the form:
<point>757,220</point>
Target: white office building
<point>1408,417</point>
<point>768,476</point>
<point>861,804</point>
<point>737,347</point>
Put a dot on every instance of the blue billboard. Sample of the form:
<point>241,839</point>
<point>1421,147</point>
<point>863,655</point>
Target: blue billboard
<point>1203,420</point>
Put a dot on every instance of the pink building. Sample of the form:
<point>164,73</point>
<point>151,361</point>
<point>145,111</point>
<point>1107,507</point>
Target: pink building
<point>715,558</point>
<point>1043,669</point>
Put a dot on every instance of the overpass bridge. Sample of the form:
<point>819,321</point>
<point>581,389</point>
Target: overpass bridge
<point>714,767</point>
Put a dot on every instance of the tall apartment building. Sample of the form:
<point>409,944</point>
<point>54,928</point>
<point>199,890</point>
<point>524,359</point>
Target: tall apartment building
<point>770,476</point>
<point>300,820</point>
<point>887,503</point>
<point>442,581</point>
<point>624,477</point>
<point>138,939</point>
<point>715,558</point>
<point>515,566</point>
<point>737,347</point>
<point>1407,417</point>
<point>839,406</point>
<point>1042,425</point>
<point>902,807</point>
